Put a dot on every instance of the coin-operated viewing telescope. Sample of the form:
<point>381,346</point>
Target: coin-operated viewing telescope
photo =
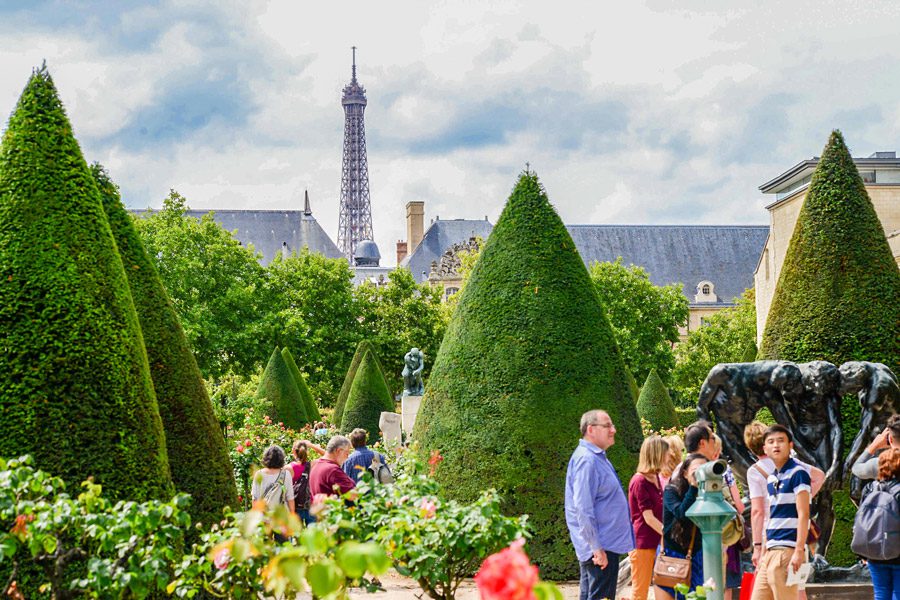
<point>711,513</point>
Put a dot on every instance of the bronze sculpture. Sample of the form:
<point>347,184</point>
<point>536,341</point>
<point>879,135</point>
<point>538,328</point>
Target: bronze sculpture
<point>413,365</point>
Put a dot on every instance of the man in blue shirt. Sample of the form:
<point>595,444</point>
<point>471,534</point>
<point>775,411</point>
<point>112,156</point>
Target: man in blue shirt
<point>788,487</point>
<point>597,512</point>
<point>361,458</point>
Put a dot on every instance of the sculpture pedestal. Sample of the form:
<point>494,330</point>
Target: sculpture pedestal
<point>409,408</point>
<point>389,423</point>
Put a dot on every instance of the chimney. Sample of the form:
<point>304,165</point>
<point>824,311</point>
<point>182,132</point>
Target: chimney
<point>415,224</point>
<point>401,251</point>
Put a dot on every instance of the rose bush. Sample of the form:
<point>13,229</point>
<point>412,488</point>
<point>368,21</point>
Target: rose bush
<point>509,575</point>
<point>436,542</point>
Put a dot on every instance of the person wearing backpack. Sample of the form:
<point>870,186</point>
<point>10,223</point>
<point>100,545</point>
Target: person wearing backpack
<point>876,528</point>
<point>273,483</point>
<point>300,470</point>
<point>361,459</point>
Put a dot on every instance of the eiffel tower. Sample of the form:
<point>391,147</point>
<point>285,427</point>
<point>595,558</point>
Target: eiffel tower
<point>355,220</point>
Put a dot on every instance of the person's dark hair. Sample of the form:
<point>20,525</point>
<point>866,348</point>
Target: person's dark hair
<point>273,457</point>
<point>696,433</point>
<point>894,425</point>
<point>300,452</point>
<point>779,429</point>
<point>358,437</point>
<point>889,464</point>
<point>680,481</point>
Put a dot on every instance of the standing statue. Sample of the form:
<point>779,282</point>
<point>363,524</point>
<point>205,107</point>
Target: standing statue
<point>413,365</point>
<point>879,398</point>
<point>735,392</point>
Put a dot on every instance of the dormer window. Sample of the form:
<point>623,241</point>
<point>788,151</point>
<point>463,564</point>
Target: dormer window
<point>706,292</point>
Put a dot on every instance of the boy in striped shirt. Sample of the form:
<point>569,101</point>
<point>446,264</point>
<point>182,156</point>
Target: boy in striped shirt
<point>788,487</point>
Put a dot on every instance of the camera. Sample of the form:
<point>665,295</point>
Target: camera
<point>709,476</point>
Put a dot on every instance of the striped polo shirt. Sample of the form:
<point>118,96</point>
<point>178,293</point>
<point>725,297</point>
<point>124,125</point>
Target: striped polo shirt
<point>783,486</point>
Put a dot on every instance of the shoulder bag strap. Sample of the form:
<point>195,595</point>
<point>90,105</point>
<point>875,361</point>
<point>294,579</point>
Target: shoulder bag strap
<point>761,470</point>
<point>277,482</point>
<point>691,547</point>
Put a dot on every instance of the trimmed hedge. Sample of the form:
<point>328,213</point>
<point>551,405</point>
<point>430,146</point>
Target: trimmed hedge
<point>277,387</point>
<point>364,346</point>
<point>632,385</point>
<point>655,404</point>
<point>528,350</point>
<point>75,388</point>
<point>838,295</point>
<point>369,396</point>
<point>193,436</point>
<point>309,404</point>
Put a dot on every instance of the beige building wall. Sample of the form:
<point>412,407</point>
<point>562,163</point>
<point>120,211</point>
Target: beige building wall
<point>697,315</point>
<point>783,217</point>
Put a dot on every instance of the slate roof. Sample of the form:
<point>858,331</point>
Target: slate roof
<point>438,237</point>
<point>268,230</point>
<point>725,255</point>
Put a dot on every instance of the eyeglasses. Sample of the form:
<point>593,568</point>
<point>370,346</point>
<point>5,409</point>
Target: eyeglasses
<point>602,424</point>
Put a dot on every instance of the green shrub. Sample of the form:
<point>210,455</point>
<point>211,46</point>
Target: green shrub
<point>838,295</point>
<point>338,414</point>
<point>686,415</point>
<point>369,396</point>
<point>655,405</point>
<point>283,401</point>
<point>309,404</point>
<point>75,388</point>
<point>632,385</point>
<point>528,350</point>
<point>193,435</point>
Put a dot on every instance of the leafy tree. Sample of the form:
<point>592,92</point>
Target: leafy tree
<point>192,432</point>
<point>369,396</point>
<point>838,294</point>
<point>214,283</point>
<point>527,352</point>
<point>401,315</point>
<point>309,405</point>
<point>655,405</point>
<point>314,311</point>
<point>75,388</point>
<point>361,349</point>
<point>728,336</point>
<point>284,402</point>
<point>644,317</point>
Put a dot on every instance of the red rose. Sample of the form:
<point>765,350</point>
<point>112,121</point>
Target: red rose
<point>507,575</point>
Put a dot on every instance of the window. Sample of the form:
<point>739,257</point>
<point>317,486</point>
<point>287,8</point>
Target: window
<point>705,289</point>
<point>450,291</point>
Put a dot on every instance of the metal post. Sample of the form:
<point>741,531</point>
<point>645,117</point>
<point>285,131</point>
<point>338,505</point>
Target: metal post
<point>711,513</point>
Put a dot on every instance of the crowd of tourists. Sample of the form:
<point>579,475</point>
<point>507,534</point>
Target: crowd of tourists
<point>651,527</point>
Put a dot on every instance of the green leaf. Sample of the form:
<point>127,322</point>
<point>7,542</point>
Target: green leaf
<point>314,540</point>
<point>49,543</point>
<point>324,577</point>
<point>546,590</point>
<point>293,568</point>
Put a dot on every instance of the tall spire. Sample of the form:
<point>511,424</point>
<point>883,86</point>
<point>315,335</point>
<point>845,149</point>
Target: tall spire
<point>306,209</point>
<point>355,220</point>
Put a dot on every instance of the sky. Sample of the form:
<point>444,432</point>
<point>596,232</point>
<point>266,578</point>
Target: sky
<point>630,112</point>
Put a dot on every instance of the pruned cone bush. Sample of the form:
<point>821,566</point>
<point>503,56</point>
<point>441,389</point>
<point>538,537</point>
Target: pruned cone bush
<point>277,387</point>
<point>309,403</point>
<point>361,349</point>
<point>655,405</point>
<point>527,352</point>
<point>369,396</point>
<point>193,435</point>
<point>75,389</point>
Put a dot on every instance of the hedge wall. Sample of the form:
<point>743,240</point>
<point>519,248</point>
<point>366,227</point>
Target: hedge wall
<point>528,350</point>
<point>284,404</point>
<point>193,436</point>
<point>655,405</point>
<point>369,396</point>
<point>75,387</point>
<point>838,295</point>
<point>309,404</point>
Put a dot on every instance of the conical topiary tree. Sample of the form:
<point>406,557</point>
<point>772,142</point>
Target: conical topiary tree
<point>369,396</point>
<point>838,294</point>
<point>632,385</point>
<point>193,436</point>
<point>309,404</point>
<point>527,352</point>
<point>75,388</point>
<point>283,401</point>
<point>361,349</point>
<point>655,404</point>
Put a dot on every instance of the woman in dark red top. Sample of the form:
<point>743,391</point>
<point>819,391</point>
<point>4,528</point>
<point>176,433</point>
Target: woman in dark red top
<point>645,502</point>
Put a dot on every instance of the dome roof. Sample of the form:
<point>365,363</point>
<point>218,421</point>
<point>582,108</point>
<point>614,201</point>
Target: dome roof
<point>367,254</point>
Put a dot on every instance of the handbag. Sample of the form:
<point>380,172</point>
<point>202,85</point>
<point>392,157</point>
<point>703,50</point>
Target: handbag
<point>669,571</point>
<point>737,530</point>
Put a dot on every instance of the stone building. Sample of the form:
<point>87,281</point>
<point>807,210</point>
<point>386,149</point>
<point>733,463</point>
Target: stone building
<point>713,263</point>
<point>881,176</point>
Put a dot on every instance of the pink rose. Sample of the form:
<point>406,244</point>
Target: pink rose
<point>507,575</point>
<point>222,558</point>
<point>428,508</point>
<point>240,449</point>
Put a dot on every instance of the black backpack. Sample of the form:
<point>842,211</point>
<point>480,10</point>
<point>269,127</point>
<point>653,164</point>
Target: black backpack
<point>876,528</point>
<point>302,497</point>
